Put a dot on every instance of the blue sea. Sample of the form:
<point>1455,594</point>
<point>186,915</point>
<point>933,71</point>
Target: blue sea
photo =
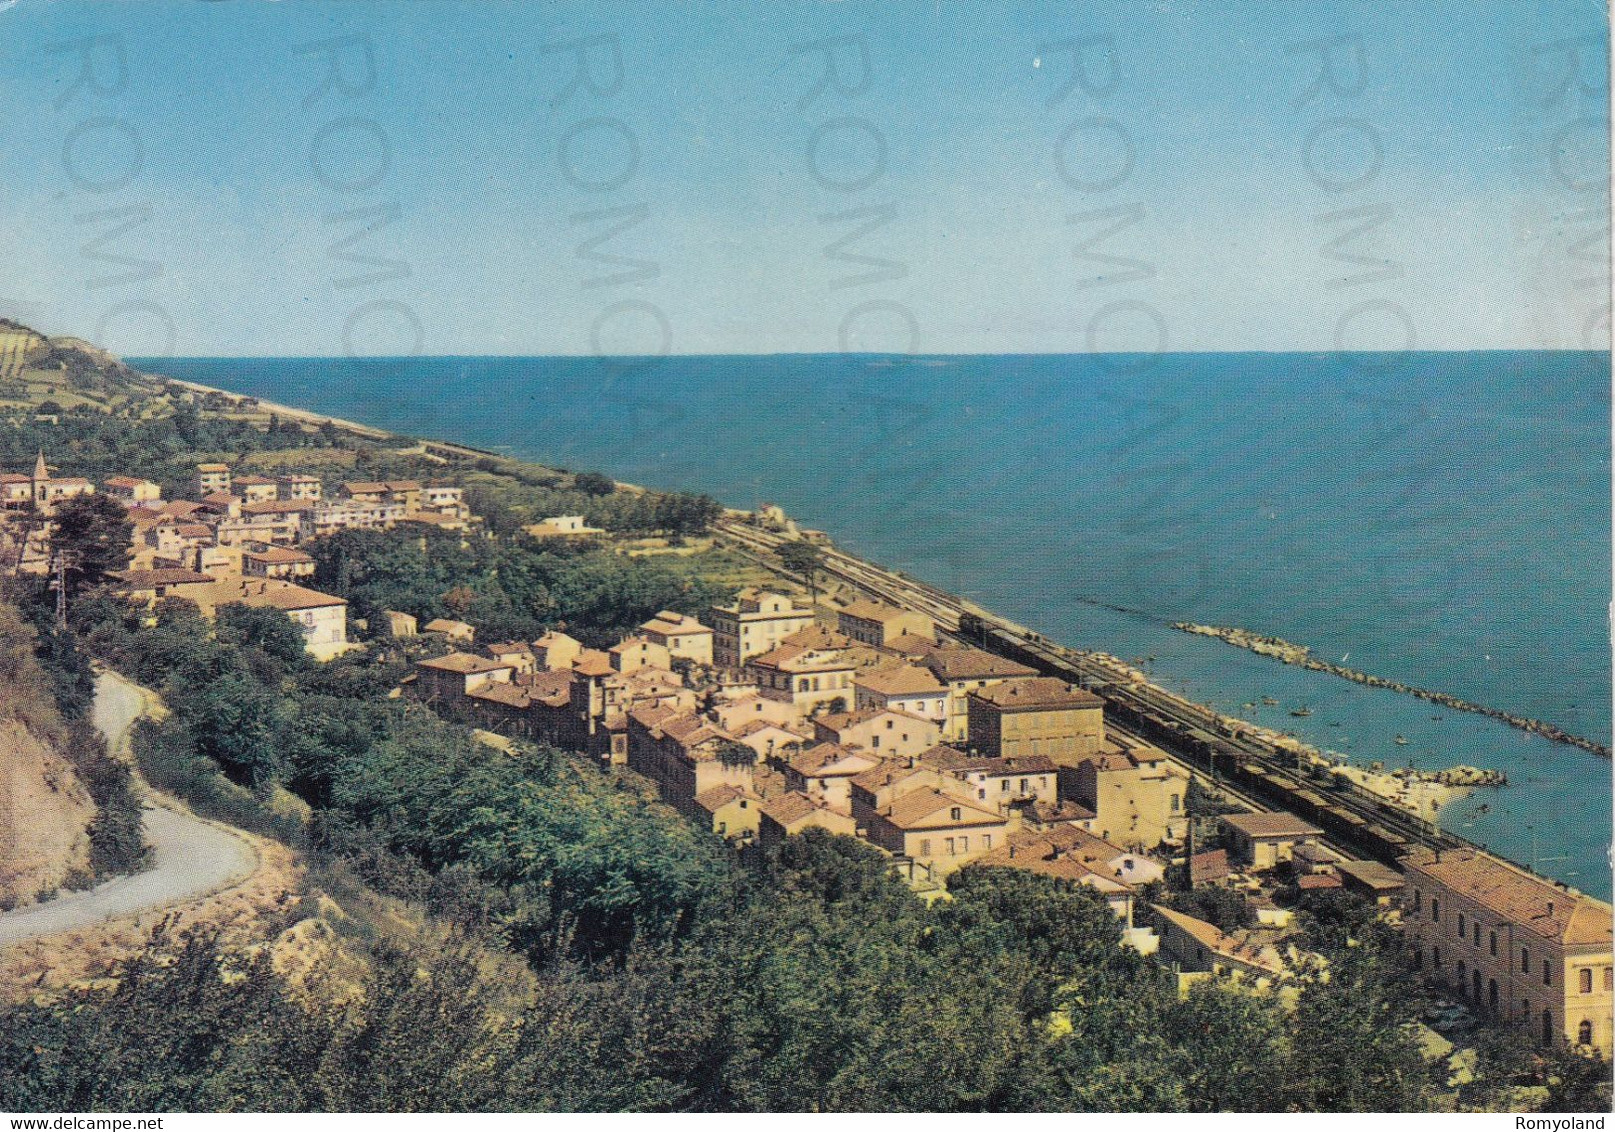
<point>1441,519</point>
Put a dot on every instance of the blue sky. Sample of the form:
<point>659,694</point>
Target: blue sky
<point>177,180</point>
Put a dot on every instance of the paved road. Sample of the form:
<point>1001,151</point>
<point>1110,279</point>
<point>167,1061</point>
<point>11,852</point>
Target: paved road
<point>191,858</point>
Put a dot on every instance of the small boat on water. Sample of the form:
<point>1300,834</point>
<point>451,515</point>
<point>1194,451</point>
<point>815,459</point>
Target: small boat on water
<point>1400,740</point>
<point>1247,706</point>
<point>1301,712</point>
<point>1269,701</point>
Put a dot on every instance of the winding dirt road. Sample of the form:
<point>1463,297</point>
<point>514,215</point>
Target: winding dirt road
<point>191,858</point>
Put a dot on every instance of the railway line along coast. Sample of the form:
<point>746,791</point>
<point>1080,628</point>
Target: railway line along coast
<point>1264,769</point>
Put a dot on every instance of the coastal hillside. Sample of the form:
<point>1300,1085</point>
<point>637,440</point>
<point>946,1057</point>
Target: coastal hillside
<point>56,374</point>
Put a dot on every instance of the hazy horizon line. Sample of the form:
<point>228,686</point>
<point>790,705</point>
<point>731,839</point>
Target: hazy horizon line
<point>861,354</point>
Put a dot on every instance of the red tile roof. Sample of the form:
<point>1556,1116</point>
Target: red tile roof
<point>1036,692</point>
<point>1275,824</point>
<point>1535,903</point>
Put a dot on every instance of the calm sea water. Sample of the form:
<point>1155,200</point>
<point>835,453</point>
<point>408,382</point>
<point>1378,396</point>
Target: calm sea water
<point>1441,519</point>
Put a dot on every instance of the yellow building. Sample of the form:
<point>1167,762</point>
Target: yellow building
<point>1136,795</point>
<point>824,772</point>
<point>555,651</point>
<point>633,653</point>
<point>681,636</point>
<point>1520,947</point>
<point>448,679</point>
<point>261,561</point>
<point>999,784</point>
<point>962,671</point>
<point>131,489</point>
<point>936,830</point>
<point>806,677</point>
<point>902,687</point>
<point>734,812</point>
<point>1036,715</point>
<point>756,622</point>
<point>876,623</point>
<point>296,486</point>
<point>255,489</point>
<point>1196,945</point>
<point>212,479</point>
<point>1071,855</point>
<point>1266,840</point>
<point>889,734</point>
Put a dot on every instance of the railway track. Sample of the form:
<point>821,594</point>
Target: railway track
<point>1261,774</point>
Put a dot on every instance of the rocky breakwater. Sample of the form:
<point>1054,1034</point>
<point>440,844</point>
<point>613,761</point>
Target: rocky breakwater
<point>1301,656</point>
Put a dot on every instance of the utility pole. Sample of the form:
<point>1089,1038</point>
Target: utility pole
<point>61,591</point>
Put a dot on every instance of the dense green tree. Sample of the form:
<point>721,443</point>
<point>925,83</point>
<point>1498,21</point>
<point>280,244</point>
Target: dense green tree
<point>1223,907</point>
<point>91,538</point>
<point>1355,1050</point>
<point>265,629</point>
<point>1225,1039</point>
<point>805,559</point>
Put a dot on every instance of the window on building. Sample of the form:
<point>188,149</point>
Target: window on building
<point>955,813</point>
<point>1525,960</point>
<point>1477,933</point>
<point>925,848</point>
<point>1023,786</point>
<point>1584,1034</point>
<point>1586,976</point>
<point>1609,978</point>
<point>947,846</point>
<point>1003,785</point>
<point>964,844</point>
<point>1462,970</point>
<point>987,843</point>
<point>1547,973</point>
<point>1435,958</point>
<point>1435,910</point>
<point>1177,803</point>
<point>1492,943</point>
<point>1460,925</point>
<point>1547,1027</point>
<point>1418,900</point>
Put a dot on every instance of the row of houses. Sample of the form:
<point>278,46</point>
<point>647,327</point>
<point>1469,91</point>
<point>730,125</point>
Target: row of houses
<point>239,542</point>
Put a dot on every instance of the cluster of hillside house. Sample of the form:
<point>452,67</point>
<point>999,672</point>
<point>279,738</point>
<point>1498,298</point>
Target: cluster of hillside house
<point>760,722</point>
<point>238,541</point>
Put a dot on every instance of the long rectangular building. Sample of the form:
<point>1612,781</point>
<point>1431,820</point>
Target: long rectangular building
<point>1520,947</point>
